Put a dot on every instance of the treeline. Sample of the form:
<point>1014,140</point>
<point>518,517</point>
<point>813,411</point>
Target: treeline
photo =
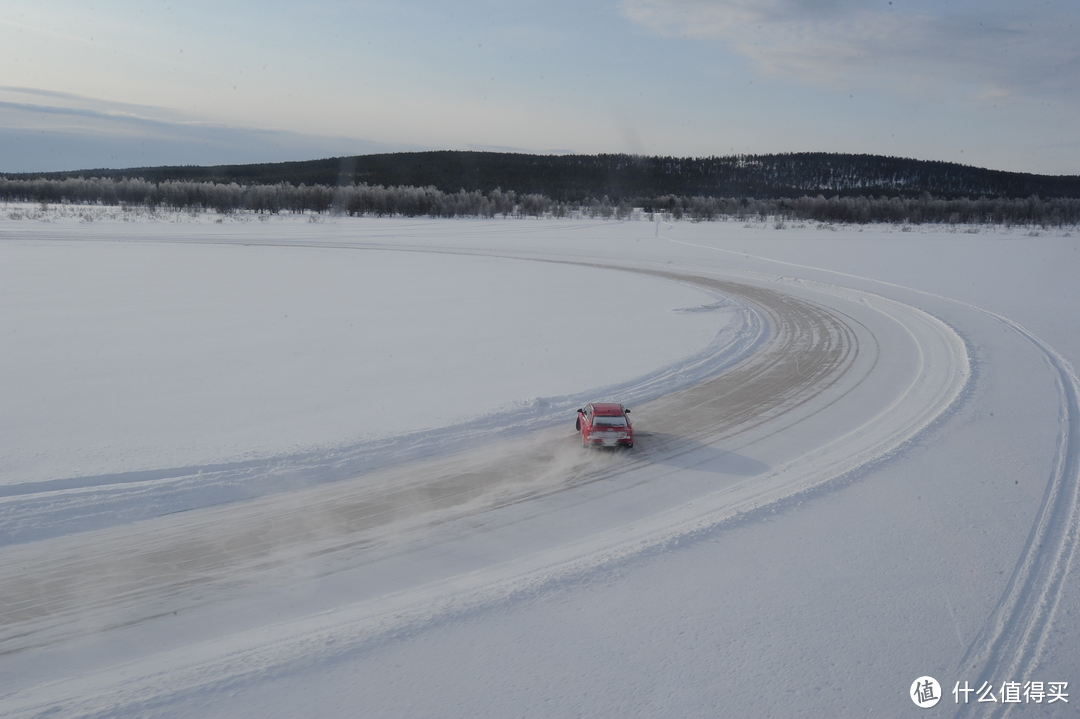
<point>1032,211</point>
<point>578,178</point>
<point>363,199</point>
<point>280,197</point>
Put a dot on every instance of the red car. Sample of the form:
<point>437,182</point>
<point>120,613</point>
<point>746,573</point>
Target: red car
<point>605,424</point>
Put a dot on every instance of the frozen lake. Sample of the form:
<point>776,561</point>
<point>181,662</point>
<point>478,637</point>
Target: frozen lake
<point>858,464</point>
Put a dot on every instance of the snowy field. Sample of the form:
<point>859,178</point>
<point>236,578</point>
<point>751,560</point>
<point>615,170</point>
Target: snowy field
<point>276,468</point>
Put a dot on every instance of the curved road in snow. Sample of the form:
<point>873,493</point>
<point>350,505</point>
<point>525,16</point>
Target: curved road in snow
<point>827,343</point>
<point>133,573</point>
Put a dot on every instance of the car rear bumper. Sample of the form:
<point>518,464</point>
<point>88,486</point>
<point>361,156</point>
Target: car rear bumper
<point>610,440</point>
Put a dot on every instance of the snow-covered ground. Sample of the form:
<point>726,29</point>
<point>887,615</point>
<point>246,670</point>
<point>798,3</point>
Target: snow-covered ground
<point>282,467</point>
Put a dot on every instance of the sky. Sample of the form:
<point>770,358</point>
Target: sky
<point>100,83</point>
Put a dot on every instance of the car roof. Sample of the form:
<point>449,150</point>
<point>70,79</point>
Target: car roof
<point>607,409</point>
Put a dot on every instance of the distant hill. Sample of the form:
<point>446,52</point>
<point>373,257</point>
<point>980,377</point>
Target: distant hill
<point>576,178</point>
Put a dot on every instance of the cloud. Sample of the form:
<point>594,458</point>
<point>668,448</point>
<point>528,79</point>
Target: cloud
<point>990,49</point>
<point>42,112</point>
<point>85,133</point>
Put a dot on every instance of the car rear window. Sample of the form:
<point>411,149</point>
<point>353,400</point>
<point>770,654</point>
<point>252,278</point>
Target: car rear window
<point>609,421</point>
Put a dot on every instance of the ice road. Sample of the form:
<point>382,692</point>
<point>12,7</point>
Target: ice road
<point>857,464</point>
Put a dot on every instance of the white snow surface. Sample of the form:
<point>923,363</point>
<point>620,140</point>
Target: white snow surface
<point>221,499</point>
<point>140,355</point>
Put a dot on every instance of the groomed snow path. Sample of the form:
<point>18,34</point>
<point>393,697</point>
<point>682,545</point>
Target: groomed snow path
<point>842,380</point>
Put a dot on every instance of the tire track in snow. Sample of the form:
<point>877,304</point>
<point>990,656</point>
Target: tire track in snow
<point>1013,638</point>
<point>1011,641</point>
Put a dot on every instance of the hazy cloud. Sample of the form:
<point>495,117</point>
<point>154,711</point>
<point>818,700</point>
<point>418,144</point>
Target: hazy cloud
<point>85,133</point>
<point>993,50</point>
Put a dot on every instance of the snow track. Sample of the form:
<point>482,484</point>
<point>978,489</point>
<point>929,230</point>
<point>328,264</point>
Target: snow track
<point>827,345</point>
<point>1013,638</point>
<point>1012,641</point>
